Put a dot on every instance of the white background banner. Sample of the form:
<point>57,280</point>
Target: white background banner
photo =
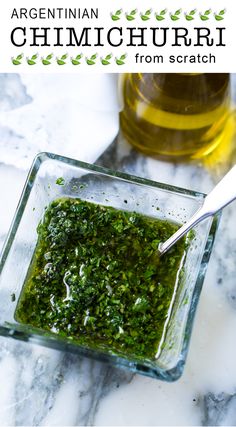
<point>118,36</point>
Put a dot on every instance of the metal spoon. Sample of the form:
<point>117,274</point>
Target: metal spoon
<point>221,195</point>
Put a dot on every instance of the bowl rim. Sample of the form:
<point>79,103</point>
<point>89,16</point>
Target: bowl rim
<point>139,367</point>
<point>45,155</point>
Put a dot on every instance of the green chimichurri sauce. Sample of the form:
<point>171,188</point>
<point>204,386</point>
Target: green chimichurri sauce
<point>95,277</point>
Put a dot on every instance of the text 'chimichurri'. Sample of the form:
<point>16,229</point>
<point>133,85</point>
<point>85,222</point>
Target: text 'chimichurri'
<point>96,277</point>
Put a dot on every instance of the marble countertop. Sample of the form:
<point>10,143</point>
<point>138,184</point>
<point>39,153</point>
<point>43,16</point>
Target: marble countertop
<point>40,386</point>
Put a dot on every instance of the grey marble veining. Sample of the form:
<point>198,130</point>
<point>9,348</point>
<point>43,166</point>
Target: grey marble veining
<point>48,387</point>
<point>13,94</point>
<point>219,409</point>
<point>41,386</point>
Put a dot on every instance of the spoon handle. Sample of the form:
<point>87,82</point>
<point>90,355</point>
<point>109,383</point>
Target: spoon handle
<point>221,195</point>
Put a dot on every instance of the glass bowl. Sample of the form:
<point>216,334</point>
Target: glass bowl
<point>122,191</point>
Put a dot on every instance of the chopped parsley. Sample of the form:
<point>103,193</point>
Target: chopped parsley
<point>96,277</point>
<point>60,181</point>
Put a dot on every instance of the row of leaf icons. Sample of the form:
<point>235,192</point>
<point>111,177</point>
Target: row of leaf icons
<point>189,16</point>
<point>74,60</point>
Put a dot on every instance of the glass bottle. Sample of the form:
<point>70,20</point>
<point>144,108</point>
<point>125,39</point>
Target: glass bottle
<point>175,116</point>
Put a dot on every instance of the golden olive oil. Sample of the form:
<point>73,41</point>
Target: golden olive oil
<point>175,116</point>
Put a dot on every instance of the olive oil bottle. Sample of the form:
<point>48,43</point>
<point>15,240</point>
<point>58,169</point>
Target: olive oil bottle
<point>175,116</point>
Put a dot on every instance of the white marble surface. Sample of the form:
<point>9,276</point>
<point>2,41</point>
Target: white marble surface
<point>51,113</point>
<point>40,386</point>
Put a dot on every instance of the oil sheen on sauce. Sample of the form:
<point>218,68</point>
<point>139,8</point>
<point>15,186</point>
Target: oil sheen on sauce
<point>96,279</point>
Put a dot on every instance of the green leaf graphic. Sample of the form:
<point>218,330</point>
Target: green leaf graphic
<point>133,12</point>
<point>189,17</point>
<point>15,62</point>
<point>192,12</point>
<point>115,18</point>
<point>45,62</point>
<point>30,62</point>
<point>218,17</point>
<point>74,62</point>
<point>104,62</point>
<point>222,12</point>
<point>64,56</point>
<point>119,62</point>
<point>34,57</point>
<point>178,12</point>
<point>129,18</point>
<point>145,17</point>
<point>93,56</point>
<point>174,17</point>
<point>207,12</point>
<point>108,56</point>
<point>49,56</point>
<point>159,17</point>
<point>79,56</point>
<point>204,17</point>
<point>89,62</point>
<point>163,12</point>
<point>60,62</point>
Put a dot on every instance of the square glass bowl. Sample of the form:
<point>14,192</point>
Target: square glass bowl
<point>106,187</point>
